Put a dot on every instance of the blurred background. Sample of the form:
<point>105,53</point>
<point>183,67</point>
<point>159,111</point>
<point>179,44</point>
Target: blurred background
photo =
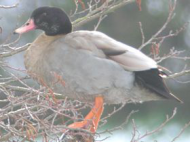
<point>123,25</point>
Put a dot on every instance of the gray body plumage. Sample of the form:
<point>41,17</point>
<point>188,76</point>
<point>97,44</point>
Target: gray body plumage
<point>78,59</point>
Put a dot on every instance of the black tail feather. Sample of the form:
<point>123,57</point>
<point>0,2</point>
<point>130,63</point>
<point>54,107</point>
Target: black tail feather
<point>153,81</point>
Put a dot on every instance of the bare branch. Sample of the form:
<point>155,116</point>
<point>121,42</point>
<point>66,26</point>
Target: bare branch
<point>182,73</point>
<point>142,33</point>
<point>100,11</point>
<point>170,16</point>
<point>157,129</point>
<point>15,51</point>
<point>121,126</point>
<point>10,6</point>
<point>101,18</point>
<point>181,132</point>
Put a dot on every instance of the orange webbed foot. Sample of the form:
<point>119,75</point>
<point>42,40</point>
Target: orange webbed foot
<point>91,120</point>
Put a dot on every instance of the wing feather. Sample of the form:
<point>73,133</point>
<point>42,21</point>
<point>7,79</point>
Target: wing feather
<point>102,45</point>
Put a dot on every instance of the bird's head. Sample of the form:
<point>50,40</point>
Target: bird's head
<point>53,21</point>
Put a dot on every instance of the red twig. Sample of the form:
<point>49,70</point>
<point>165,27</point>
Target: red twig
<point>139,4</point>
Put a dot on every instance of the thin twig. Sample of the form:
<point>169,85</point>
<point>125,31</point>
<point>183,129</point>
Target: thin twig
<point>181,132</point>
<point>182,73</point>
<point>159,127</point>
<point>81,21</point>
<point>170,16</point>
<point>142,33</point>
<point>13,52</point>
<point>10,6</point>
<point>101,18</point>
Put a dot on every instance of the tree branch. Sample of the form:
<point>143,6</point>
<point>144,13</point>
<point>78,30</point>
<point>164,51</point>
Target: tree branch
<point>182,73</point>
<point>10,6</point>
<point>100,12</point>
<point>170,16</point>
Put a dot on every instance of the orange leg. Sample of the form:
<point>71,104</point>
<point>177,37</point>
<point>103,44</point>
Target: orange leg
<point>92,119</point>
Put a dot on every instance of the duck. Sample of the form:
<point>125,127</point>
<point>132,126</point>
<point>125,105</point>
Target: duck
<point>89,66</point>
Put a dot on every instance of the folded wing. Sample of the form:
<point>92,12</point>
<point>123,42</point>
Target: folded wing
<point>130,58</point>
<point>146,73</point>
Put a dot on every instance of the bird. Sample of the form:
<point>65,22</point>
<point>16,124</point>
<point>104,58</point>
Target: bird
<point>92,66</point>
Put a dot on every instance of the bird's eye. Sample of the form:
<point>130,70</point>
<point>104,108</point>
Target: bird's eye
<point>27,24</point>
